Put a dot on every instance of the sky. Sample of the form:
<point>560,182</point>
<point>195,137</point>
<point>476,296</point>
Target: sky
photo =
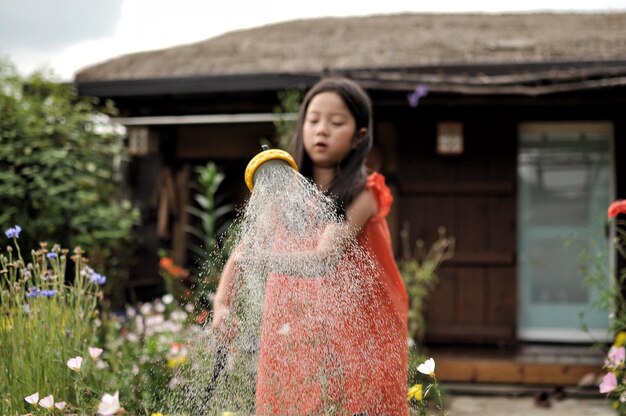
<point>67,35</point>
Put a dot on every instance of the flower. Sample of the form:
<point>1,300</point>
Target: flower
<point>33,398</point>
<point>176,355</point>
<point>615,357</point>
<point>609,383</point>
<point>60,405</point>
<point>47,402</point>
<point>427,367</point>
<point>420,91</point>
<point>167,298</point>
<point>172,269</point>
<point>156,414</point>
<point>13,232</point>
<point>52,255</point>
<point>620,339</point>
<point>617,207</point>
<point>202,316</point>
<point>48,293</point>
<point>95,352</point>
<point>98,279</point>
<point>75,363</point>
<point>32,292</point>
<point>110,404</point>
<point>415,392</point>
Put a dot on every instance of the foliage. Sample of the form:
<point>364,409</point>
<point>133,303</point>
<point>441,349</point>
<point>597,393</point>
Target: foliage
<point>60,163</point>
<point>143,350</point>
<point>44,321</point>
<point>614,381</point>
<point>426,389</point>
<point>286,112</point>
<point>208,248</point>
<point>418,268</point>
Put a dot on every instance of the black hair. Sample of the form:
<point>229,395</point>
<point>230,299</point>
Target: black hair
<point>350,174</point>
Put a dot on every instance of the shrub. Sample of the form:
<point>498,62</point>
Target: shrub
<point>60,164</point>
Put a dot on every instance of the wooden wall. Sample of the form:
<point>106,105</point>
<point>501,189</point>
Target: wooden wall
<point>473,196</point>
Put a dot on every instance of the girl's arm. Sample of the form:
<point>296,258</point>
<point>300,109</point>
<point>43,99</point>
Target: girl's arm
<point>332,245</point>
<point>224,293</point>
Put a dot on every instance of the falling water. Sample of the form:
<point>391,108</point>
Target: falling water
<point>298,313</point>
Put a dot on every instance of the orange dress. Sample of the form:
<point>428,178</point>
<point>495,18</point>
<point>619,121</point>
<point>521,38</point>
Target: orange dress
<point>338,343</point>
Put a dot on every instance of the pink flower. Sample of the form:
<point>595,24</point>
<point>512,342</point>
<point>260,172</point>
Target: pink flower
<point>617,207</point>
<point>615,357</point>
<point>609,383</point>
<point>33,398</point>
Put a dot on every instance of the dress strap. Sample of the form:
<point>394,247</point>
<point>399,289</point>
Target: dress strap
<point>376,182</point>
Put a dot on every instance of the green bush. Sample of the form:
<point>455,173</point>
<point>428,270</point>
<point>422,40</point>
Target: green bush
<point>60,164</point>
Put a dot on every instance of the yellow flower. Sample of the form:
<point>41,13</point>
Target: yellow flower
<point>228,414</point>
<point>157,414</point>
<point>415,392</point>
<point>620,339</point>
<point>177,361</point>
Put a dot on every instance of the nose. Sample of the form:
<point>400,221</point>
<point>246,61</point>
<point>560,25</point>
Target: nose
<point>322,128</point>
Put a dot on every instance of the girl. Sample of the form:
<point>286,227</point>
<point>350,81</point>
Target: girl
<point>314,356</point>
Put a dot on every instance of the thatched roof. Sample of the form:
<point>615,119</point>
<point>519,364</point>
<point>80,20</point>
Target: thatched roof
<point>382,41</point>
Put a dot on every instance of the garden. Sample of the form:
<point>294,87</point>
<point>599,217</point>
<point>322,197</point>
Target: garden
<point>69,344</point>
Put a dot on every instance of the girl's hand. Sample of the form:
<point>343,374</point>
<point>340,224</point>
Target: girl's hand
<point>224,325</point>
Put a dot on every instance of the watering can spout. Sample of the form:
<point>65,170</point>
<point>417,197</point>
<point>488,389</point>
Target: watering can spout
<point>262,157</point>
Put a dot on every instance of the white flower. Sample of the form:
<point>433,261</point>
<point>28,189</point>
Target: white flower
<point>189,307</point>
<point>130,312</point>
<point>132,337</point>
<point>60,405</point>
<point>109,405</point>
<point>146,308</point>
<point>284,329</point>
<point>47,402</point>
<point>97,323</point>
<point>168,298</point>
<point>33,398</point>
<point>135,369</point>
<point>154,320</point>
<point>428,367</point>
<point>95,352</point>
<point>410,342</point>
<point>100,365</point>
<point>178,316</point>
<point>139,324</point>
<point>75,363</point>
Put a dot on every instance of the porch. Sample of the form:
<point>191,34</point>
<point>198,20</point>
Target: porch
<point>527,368</point>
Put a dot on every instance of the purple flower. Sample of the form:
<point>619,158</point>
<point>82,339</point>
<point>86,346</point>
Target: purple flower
<point>420,91</point>
<point>98,279</point>
<point>609,383</point>
<point>615,357</point>
<point>52,255</point>
<point>32,292</point>
<point>48,293</point>
<point>13,232</point>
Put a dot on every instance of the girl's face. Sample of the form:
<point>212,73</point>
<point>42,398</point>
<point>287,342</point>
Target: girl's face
<point>329,130</point>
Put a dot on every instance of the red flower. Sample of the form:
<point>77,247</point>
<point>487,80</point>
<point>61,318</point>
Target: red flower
<point>202,316</point>
<point>168,265</point>
<point>617,207</point>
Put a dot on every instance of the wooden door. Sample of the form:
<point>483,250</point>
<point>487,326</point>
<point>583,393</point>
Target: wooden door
<point>473,196</point>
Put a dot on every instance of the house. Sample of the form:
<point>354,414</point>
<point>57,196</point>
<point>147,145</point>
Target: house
<point>511,139</point>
